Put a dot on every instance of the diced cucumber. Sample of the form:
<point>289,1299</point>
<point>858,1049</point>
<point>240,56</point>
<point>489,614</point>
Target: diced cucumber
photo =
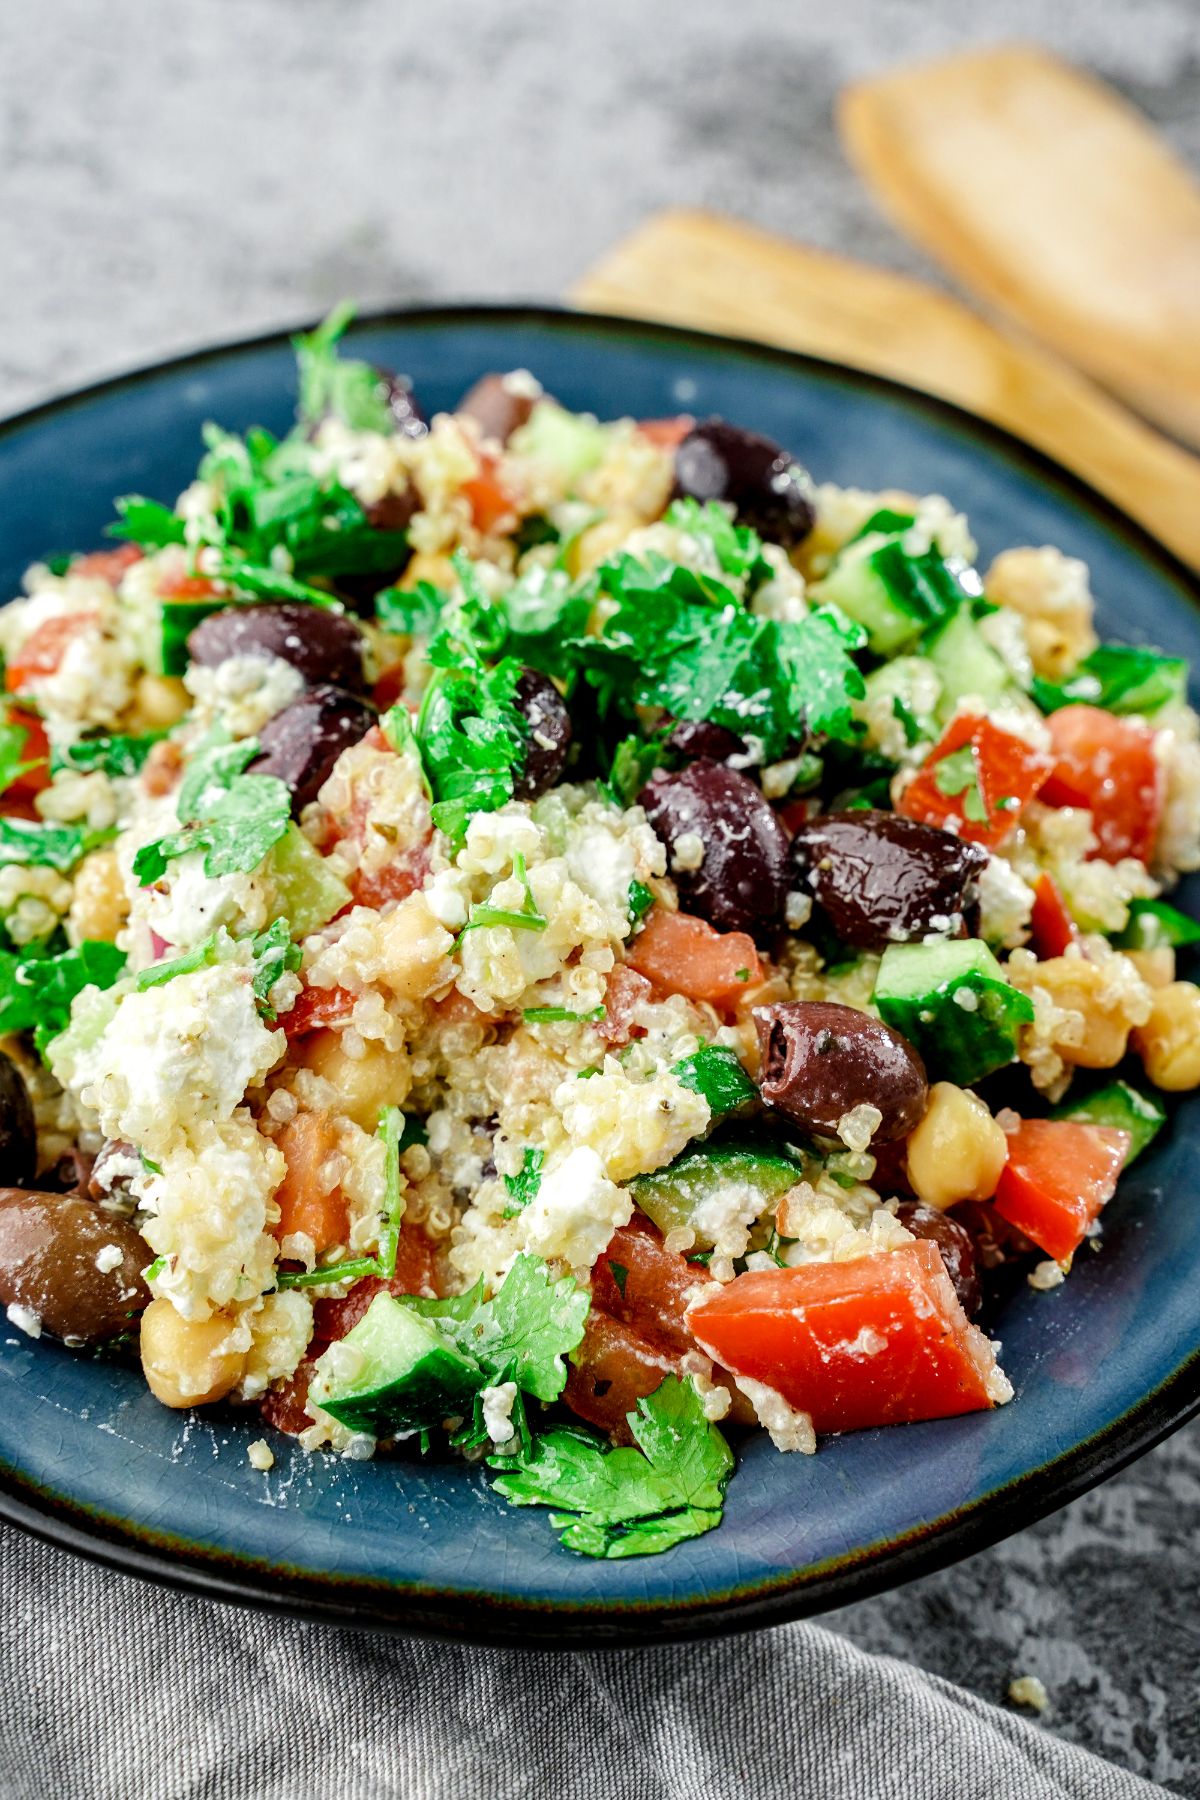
<point>1153,924</point>
<point>893,595</point>
<point>706,1189</point>
<point>1122,678</point>
<point>395,1371</point>
<point>966,664</point>
<point>718,1077</point>
<point>1118,1104</point>
<point>951,1001</point>
<point>310,894</point>
<point>571,443</point>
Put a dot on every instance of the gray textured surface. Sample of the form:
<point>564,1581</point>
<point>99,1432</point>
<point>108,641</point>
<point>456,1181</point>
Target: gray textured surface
<point>172,175</point>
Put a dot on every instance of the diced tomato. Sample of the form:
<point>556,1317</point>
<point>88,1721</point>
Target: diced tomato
<point>396,879</point>
<point>45,648</point>
<point>611,1370</point>
<point>624,991</point>
<point>178,584</point>
<point>878,1341</point>
<point>1059,1175</point>
<point>316,1007</point>
<point>641,1282</point>
<point>1006,773</point>
<point>1108,765</point>
<point>680,954</point>
<point>107,565</point>
<point>488,500</point>
<point>1052,929</point>
<point>388,688</point>
<point>668,434</point>
<point>307,1202</point>
<point>416,1273</point>
<point>35,750</point>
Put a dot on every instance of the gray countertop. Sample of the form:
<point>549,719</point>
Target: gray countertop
<point>172,175</point>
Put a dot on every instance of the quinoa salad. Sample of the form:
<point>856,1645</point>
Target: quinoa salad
<point>557,944</point>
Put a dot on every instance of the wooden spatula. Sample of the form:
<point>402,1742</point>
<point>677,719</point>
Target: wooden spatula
<point>694,269</point>
<point>1051,199</point>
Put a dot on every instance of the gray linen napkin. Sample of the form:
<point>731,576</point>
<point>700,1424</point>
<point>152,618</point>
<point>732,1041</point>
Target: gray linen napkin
<point>111,1689</point>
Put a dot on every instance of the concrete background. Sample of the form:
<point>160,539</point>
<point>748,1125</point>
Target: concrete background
<point>171,175</point>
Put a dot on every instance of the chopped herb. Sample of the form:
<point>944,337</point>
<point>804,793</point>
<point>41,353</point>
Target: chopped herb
<point>701,1258</point>
<point>147,522</point>
<point>49,846</point>
<point>1152,923</point>
<point>13,739</point>
<point>470,734</point>
<point>391,1129</point>
<point>620,1275</point>
<point>339,387</point>
<point>958,774</point>
<point>159,973</point>
<point>586,1074</point>
<point>715,1073</point>
<point>907,719</point>
<point>410,612</point>
<point>151,1168</point>
<point>346,1271</point>
<point>640,900</point>
<point>741,974</point>
<point>523,1186</point>
<point>155,1269</point>
<point>36,991</point>
<point>634,761</point>
<point>117,755</point>
<point>1121,678</point>
<point>560,1015</point>
<point>626,1502</point>
<point>738,548</point>
<point>523,1333</point>
<point>234,817</point>
<point>274,955</point>
<point>528,919</point>
<point>265,582</point>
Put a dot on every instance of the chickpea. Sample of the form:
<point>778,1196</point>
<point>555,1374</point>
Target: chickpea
<point>1088,988</point>
<point>957,1151</point>
<point>431,566</point>
<point>1051,592</point>
<point>99,904</point>
<point>1169,1042</point>
<point>366,1083</point>
<point>600,540</point>
<point>416,949</point>
<point>1156,967</point>
<point>158,701</point>
<point>188,1362</point>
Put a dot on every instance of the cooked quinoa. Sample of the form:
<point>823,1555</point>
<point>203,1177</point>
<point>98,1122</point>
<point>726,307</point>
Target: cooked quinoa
<point>510,916</point>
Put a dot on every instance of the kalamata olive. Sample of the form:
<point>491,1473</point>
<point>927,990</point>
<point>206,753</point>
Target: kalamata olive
<point>884,879</point>
<point>729,853</point>
<point>954,1242</point>
<point>821,1060</point>
<point>18,1134</point>
<point>391,512</point>
<point>71,1174</point>
<point>699,737</point>
<point>113,1170</point>
<point>770,491</point>
<point>549,725</point>
<point>55,1252</point>
<point>320,645</point>
<point>497,405</point>
<point>301,744</point>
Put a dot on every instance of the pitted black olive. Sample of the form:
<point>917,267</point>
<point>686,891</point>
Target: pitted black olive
<point>18,1134</point>
<point>956,1245</point>
<point>301,744</point>
<point>821,1060</point>
<point>770,491</point>
<point>884,879</point>
<point>54,1252</point>
<point>699,737</point>
<point>495,407</point>
<point>321,645</point>
<point>729,853</point>
<point>549,724</point>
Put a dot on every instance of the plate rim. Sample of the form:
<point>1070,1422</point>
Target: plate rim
<point>575,1625</point>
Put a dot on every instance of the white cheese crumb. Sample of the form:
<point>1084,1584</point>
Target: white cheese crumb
<point>797,911</point>
<point>1047,1275</point>
<point>576,1211</point>
<point>965,997</point>
<point>108,1258</point>
<point>260,1455</point>
<point>25,1319</point>
<point>688,852</point>
<point>497,1412</point>
<point>1028,1690</point>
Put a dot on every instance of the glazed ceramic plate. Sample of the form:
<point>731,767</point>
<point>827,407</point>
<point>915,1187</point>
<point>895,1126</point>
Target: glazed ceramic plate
<point>1103,1366</point>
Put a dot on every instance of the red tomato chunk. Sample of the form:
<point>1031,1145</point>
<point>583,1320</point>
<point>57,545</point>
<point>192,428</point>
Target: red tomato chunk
<point>1052,929</point>
<point>680,954</point>
<point>1003,774</point>
<point>1108,765</point>
<point>1058,1176</point>
<point>878,1341</point>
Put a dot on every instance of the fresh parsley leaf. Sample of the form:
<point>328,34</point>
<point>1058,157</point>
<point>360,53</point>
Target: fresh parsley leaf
<point>50,846</point>
<point>634,761</point>
<point>410,612</point>
<point>151,1168</point>
<point>907,720</point>
<point>155,1269</point>
<point>626,1502</point>
<point>958,775</point>
<point>234,817</point>
<point>147,522</point>
<point>523,1186</point>
<point>738,548</point>
<point>13,763</point>
<point>715,1073</point>
<point>640,899</point>
<point>274,955</point>
<point>159,973</point>
<point>470,734</point>
<point>37,991</point>
<point>341,387</point>
<point>540,612</point>
<point>267,583</point>
<point>523,1332</point>
<point>117,755</point>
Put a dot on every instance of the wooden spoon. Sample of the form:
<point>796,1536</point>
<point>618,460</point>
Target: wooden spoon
<point>1050,198</point>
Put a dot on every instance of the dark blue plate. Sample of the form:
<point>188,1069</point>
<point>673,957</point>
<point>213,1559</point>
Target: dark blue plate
<point>1103,1367</point>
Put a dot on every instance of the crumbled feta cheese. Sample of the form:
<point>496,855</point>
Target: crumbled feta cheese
<point>797,910</point>
<point>1005,904</point>
<point>25,1319</point>
<point>1046,1275</point>
<point>498,1403</point>
<point>108,1258</point>
<point>575,1212</point>
<point>633,1126</point>
<point>260,1455</point>
<point>244,691</point>
<point>687,852</point>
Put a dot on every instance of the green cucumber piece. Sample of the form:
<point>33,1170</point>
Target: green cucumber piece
<point>570,442</point>
<point>893,595</point>
<point>966,664</point>
<point>715,1073</point>
<point>1152,924</point>
<point>408,1377</point>
<point>706,1188</point>
<point>905,682</point>
<point>951,1001</point>
<point>1121,678</point>
<point>310,894</point>
<point>1125,1107</point>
